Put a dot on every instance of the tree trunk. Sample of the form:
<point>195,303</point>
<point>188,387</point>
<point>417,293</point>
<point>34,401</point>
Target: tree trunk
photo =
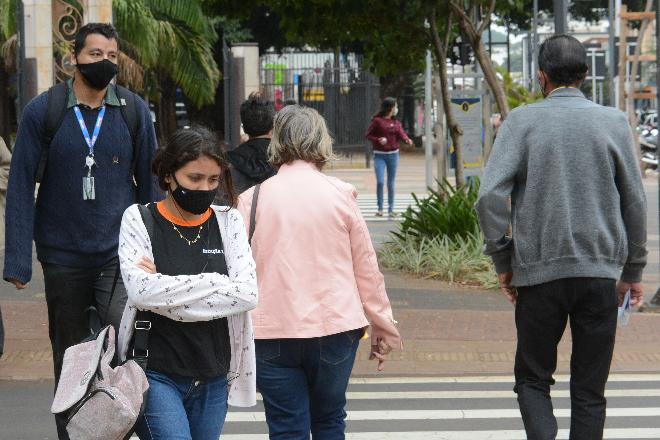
<point>474,33</point>
<point>166,107</point>
<point>455,130</point>
<point>632,84</point>
<point>491,77</point>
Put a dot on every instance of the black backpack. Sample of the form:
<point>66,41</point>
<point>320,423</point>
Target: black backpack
<point>56,103</point>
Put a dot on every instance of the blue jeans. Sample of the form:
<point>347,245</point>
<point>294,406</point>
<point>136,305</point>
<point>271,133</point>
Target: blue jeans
<point>183,408</point>
<point>303,383</point>
<point>391,163</point>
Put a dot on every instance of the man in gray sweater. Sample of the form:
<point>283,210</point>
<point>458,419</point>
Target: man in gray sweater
<point>564,179</point>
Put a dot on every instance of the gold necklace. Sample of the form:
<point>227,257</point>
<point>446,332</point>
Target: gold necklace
<point>190,242</point>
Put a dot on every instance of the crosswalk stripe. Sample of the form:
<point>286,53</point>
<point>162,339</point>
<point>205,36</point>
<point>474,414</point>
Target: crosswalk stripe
<point>629,433</point>
<point>369,206</point>
<point>457,414</point>
<point>560,378</point>
<point>485,394</point>
<point>465,408</point>
<point>390,395</point>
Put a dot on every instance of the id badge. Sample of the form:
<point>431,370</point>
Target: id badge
<point>89,191</point>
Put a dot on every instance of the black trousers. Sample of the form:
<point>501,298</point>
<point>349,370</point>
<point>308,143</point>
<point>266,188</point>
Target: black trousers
<point>70,291</point>
<point>542,312</point>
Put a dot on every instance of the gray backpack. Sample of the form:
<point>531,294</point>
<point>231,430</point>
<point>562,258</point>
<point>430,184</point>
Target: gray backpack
<point>99,402</point>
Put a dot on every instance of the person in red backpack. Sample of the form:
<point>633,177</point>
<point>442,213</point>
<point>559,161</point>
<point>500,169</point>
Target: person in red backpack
<point>385,133</point>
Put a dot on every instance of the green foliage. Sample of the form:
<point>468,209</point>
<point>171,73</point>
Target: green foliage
<point>458,260</point>
<point>448,212</point>
<point>7,19</point>
<point>517,94</point>
<point>172,36</point>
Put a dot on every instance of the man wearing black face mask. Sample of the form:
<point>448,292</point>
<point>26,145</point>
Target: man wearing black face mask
<point>95,167</point>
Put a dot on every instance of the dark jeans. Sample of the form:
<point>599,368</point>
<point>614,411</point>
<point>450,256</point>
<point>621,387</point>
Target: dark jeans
<point>69,292</point>
<point>303,383</point>
<point>541,315</point>
<point>183,408</point>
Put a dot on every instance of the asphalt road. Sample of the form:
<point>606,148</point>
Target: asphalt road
<point>405,408</point>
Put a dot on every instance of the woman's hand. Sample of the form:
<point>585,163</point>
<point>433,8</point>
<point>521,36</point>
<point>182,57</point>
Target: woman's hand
<point>379,351</point>
<point>147,265</point>
<point>409,141</point>
<point>382,140</point>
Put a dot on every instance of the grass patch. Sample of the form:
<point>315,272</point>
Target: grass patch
<point>456,260</point>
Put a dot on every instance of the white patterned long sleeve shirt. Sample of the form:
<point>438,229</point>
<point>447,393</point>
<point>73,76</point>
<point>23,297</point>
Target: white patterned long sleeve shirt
<point>192,298</point>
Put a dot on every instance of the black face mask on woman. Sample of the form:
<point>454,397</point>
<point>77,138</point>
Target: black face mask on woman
<point>193,200</point>
<point>99,74</point>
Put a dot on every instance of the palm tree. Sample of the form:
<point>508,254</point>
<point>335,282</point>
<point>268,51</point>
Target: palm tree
<point>172,41</point>
<point>7,66</point>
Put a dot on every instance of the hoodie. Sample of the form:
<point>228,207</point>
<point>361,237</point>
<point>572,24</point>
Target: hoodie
<point>250,164</point>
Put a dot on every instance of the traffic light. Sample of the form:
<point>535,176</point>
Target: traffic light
<point>460,53</point>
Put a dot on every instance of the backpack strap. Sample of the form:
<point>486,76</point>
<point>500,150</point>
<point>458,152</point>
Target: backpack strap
<point>142,324</point>
<point>128,109</point>
<point>56,109</point>
<point>253,212</point>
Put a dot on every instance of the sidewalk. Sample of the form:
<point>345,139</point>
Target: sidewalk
<point>448,330</point>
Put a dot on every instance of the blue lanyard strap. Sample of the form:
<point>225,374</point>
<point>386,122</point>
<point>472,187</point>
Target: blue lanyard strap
<point>97,128</point>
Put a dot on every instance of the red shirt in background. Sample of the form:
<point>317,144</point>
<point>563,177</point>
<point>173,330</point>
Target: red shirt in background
<point>388,128</point>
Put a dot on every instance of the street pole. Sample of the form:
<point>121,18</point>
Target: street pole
<point>561,16</point>
<point>593,75</point>
<point>20,55</point>
<point>611,50</point>
<point>655,301</point>
<point>534,45</point>
<point>226,78</point>
<point>428,135</point>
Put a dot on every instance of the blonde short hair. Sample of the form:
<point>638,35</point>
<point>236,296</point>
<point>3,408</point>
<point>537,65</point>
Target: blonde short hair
<point>300,133</point>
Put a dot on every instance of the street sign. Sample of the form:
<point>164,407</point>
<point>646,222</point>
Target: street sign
<point>468,111</point>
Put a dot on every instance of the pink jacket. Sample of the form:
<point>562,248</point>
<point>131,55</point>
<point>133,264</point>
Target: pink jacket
<point>316,267</point>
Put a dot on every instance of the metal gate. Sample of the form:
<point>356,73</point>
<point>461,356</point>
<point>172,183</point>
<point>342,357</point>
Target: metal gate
<point>338,87</point>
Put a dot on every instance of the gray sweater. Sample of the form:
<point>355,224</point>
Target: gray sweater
<point>577,205</point>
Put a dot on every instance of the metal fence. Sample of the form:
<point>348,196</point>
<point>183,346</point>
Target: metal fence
<point>337,87</point>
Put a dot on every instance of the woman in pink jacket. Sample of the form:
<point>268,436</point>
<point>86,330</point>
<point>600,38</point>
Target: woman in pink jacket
<point>319,283</point>
<point>385,133</point>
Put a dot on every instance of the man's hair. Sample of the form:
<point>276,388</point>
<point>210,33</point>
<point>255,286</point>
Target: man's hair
<point>257,115</point>
<point>105,29</point>
<point>563,59</point>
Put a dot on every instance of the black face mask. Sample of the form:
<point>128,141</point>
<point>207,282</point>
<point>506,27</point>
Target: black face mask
<point>194,201</point>
<point>99,74</point>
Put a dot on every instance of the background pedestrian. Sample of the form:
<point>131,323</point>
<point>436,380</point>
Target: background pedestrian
<point>385,133</point>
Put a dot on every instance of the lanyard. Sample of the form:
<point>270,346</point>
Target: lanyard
<point>97,128</point>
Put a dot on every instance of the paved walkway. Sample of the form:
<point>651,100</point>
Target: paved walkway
<point>448,330</point>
